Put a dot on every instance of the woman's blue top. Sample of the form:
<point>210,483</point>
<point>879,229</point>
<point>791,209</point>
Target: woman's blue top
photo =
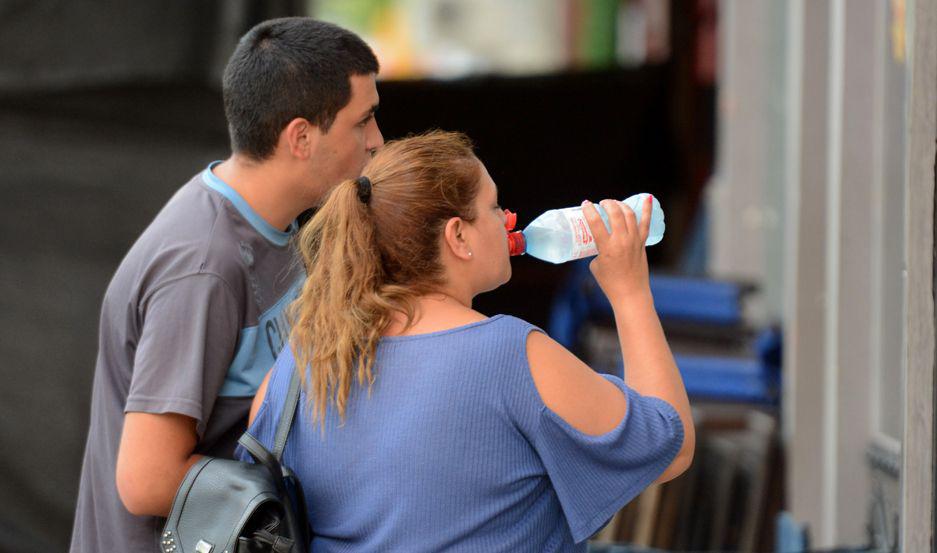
<point>454,450</point>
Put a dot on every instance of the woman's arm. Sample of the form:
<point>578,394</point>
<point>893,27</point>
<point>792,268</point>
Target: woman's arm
<point>571,389</point>
<point>651,371</point>
<point>575,392</point>
<point>259,398</point>
<point>593,405</point>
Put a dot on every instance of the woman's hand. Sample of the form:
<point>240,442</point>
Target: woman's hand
<point>621,266</point>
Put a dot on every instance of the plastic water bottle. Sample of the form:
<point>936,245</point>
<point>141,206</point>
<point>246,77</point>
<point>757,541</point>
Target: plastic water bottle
<point>562,235</point>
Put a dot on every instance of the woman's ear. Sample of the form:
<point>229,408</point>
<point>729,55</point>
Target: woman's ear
<point>455,240</point>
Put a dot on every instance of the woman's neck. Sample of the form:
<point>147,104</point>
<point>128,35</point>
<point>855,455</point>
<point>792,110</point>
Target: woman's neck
<point>436,311</point>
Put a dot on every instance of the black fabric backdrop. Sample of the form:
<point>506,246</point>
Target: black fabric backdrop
<point>106,108</point>
<point>68,44</point>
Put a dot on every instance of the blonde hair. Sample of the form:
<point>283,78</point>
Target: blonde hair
<point>366,261</point>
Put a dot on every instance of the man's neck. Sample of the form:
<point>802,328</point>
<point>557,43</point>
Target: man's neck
<point>265,186</point>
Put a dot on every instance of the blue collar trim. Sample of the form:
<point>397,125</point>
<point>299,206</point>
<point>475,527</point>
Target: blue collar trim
<point>275,236</point>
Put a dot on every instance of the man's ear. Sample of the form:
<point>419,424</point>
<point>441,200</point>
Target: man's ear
<point>455,240</point>
<point>300,138</point>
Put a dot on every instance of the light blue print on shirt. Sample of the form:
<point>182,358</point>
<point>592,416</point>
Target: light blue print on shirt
<point>258,347</point>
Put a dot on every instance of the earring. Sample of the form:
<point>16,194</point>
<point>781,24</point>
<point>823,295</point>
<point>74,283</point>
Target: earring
<point>470,254</point>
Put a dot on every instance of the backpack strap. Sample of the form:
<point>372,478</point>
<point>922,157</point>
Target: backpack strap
<point>287,415</point>
<point>272,459</point>
<point>260,453</point>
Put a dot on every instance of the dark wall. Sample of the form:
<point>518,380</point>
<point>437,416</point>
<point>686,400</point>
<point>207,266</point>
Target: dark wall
<point>54,45</point>
<point>78,184</point>
<point>549,142</point>
<point>103,114</point>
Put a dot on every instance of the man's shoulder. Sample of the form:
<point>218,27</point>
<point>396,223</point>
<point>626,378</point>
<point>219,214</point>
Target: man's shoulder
<point>191,212</point>
<point>190,235</point>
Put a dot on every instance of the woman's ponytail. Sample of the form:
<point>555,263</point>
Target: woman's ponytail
<point>335,326</point>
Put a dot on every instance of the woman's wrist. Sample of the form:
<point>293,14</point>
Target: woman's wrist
<point>631,300</point>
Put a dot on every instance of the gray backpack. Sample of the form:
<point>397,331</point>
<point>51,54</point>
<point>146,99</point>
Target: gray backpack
<point>227,506</point>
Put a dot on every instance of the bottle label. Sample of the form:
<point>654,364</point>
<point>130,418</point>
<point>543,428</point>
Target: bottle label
<point>583,243</point>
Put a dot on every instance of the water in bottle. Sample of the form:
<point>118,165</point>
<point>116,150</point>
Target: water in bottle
<point>562,235</point>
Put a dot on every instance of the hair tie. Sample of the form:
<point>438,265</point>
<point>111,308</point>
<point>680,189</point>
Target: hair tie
<point>364,189</point>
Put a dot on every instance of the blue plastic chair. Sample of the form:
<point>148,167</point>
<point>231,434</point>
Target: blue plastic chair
<point>754,379</point>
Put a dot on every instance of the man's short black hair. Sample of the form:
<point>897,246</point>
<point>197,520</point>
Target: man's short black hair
<point>288,68</point>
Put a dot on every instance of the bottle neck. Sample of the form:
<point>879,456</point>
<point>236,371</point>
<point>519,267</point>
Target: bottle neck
<point>517,243</point>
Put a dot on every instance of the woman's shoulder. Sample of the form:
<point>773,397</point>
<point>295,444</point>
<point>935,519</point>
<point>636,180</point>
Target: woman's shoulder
<point>516,323</point>
<point>499,335</point>
<point>460,328</point>
<point>511,334</point>
<point>501,327</point>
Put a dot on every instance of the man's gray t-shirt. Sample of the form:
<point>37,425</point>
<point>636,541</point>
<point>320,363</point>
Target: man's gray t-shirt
<point>190,324</point>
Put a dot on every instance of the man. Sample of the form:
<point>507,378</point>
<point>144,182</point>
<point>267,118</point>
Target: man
<point>194,316</point>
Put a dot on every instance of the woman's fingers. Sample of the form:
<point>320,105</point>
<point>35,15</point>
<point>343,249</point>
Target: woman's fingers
<point>631,222</point>
<point>646,211</point>
<point>616,219</point>
<point>599,232</point>
<point>622,220</point>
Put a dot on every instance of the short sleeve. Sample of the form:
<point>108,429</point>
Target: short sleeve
<point>189,333</point>
<point>595,476</point>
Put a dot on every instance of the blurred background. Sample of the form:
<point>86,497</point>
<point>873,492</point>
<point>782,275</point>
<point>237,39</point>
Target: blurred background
<point>790,143</point>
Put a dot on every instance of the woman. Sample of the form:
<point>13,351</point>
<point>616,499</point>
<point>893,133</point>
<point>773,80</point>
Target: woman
<point>428,426</point>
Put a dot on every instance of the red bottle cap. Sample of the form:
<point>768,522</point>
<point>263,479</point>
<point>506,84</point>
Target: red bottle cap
<point>510,220</point>
<point>517,244</point>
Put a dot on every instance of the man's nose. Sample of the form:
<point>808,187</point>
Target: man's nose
<point>376,139</point>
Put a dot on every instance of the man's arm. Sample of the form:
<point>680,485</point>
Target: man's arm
<point>155,454</point>
<point>187,341</point>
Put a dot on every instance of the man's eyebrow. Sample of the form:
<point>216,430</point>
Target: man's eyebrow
<point>371,111</point>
